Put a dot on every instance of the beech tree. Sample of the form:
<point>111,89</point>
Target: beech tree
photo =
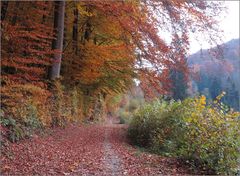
<point>142,22</point>
<point>4,6</point>
<point>26,42</point>
<point>57,44</point>
<point>107,44</point>
<point>75,30</point>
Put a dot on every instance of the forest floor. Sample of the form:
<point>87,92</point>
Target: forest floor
<point>85,150</point>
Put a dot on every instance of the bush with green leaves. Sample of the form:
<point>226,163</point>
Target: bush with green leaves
<point>124,117</point>
<point>19,128</point>
<point>133,105</point>
<point>193,130</point>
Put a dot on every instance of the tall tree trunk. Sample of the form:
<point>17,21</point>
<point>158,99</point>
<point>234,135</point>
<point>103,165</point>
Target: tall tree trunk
<point>58,42</point>
<point>16,8</point>
<point>88,26</point>
<point>4,6</point>
<point>65,33</point>
<point>75,31</point>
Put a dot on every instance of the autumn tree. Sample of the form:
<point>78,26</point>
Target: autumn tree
<point>57,45</point>
<point>103,62</point>
<point>26,41</point>
<point>142,22</point>
<point>107,44</point>
<point>26,35</point>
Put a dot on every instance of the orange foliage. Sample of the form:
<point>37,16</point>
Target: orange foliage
<point>138,25</point>
<point>107,44</point>
<point>25,54</point>
<point>26,41</point>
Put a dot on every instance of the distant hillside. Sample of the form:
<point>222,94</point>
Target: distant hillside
<point>213,74</point>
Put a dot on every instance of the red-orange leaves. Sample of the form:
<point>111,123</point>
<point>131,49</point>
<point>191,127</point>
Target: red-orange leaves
<point>26,41</point>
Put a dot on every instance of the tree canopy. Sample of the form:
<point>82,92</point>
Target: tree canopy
<point>100,47</point>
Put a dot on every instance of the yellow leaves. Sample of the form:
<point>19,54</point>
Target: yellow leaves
<point>204,118</point>
<point>84,11</point>
<point>19,98</point>
<point>200,102</point>
<point>203,100</point>
<point>189,119</point>
<point>211,111</point>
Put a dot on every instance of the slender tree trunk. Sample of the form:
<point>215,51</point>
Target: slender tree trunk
<point>88,27</point>
<point>16,8</point>
<point>75,31</point>
<point>58,42</point>
<point>4,6</point>
<point>65,33</point>
<point>87,31</point>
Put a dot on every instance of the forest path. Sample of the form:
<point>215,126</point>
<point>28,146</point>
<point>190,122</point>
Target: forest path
<point>84,150</point>
<point>112,161</point>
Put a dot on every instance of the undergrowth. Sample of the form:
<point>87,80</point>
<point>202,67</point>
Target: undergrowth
<point>26,109</point>
<point>201,133</point>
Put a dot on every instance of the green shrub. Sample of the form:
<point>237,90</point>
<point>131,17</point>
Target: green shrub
<point>19,128</point>
<point>32,121</point>
<point>14,130</point>
<point>122,120</point>
<point>76,105</point>
<point>147,123</point>
<point>133,104</point>
<point>208,134</point>
<point>124,117</point>
<point>16,133</point>
<point>7,121</point>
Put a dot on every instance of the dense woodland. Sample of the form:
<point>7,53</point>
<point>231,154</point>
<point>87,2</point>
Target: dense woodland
<point>65,62</point>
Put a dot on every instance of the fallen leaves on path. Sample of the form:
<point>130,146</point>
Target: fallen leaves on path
<point>57,154</point>
<point>141,163</point>
<point>79,150</point>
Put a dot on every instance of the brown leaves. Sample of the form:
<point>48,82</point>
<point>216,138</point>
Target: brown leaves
<point>80,150</point>
<point>62,152</point>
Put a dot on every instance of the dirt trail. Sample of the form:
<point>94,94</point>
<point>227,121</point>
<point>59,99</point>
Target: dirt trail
<point>84,150</point>
<point>112,161</point>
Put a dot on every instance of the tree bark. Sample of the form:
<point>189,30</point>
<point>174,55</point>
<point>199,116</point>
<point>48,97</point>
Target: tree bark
<point>57,43</point>
<point>4,6</point>
<point>65,33</point>
<point>75,31</point>
<point>16,8</point>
